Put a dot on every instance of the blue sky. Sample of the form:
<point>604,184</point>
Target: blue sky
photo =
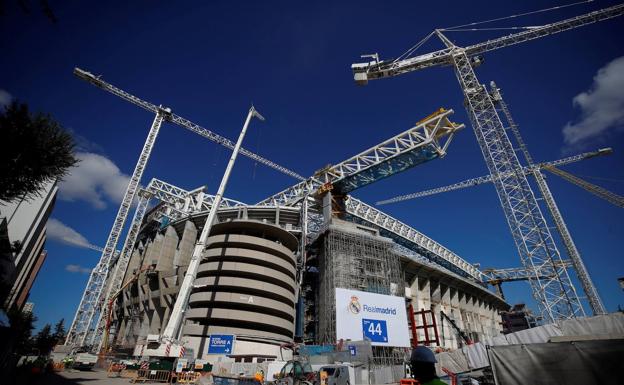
<point>209,61</point>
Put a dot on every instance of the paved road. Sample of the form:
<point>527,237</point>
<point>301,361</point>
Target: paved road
<point>87,377</point>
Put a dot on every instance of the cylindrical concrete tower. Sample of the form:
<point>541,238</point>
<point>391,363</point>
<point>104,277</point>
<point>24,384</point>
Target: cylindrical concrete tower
<point>245,286</point>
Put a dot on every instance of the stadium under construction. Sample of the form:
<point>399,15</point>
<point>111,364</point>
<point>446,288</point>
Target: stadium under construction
<point>206,277</point>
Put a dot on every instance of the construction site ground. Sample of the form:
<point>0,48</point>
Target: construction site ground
<point>78,377</point>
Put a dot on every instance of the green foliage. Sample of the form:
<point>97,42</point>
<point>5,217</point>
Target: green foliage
<point>21,329</point>
<point>59,331</point>
<point>45,340</point>
<point>34,150</point>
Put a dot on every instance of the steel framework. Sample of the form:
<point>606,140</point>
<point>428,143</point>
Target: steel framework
<point>177,203</point>
<point>427,140</point>
<point>489,178</point>
<point>556,297</point>
<point>411,238</point>
<point>180,121</point>
<point>598,191</point>
<point>588,286</point>
<point>91,297</point>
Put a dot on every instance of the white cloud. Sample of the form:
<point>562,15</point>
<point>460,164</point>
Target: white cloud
<point>5,98</point>
<point>58,231</point>
<point>602,106</point>
<point>96,180</point>
<point>77,269</point>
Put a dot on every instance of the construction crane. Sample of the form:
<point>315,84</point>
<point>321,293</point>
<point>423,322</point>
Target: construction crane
<point>82,244</point>
<point>88,309</point>
<point>178,203</point>
<point>589,288</point>
<point>489,178</point>
<point>496,277</point>
<point>427,140</point>
<point>172,330</point>
<point>598,191</point>
<point>557,297</point>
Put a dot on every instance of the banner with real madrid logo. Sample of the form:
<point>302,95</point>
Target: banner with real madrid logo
<point>380,319</point>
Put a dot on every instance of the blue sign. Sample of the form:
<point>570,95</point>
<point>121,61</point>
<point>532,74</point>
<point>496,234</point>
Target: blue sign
<point>353,350</point>
<point>375,330</point>
<point>221,344</point>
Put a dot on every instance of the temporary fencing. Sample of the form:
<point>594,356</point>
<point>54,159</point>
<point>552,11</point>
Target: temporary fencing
<point>129,373</point>
<point>153,376</point>
<point>188,377</point>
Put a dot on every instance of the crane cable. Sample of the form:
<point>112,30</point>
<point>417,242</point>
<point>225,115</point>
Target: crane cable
<point>413,48</point>
<point>517,15</point>
<point>459,28</point>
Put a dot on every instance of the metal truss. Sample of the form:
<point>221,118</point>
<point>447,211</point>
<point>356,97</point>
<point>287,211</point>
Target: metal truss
<point>598,191</point>
<point>180,121</point>
<point>91,297</point>
<point>514,273</point>
<point>381,69</point>
<point>427,140</point>
<point>116,279</point>
<point>176,203</point>
<point>528,170</point>
<point>588,286</point>
<point>411,238</point>
<point>555,296</point>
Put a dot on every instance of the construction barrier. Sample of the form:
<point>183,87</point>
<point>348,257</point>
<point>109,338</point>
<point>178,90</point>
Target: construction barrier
<point>188,377</point>
<point>145,375</point>
<point>58,366</point>
<point>129,373</point>
<point>114,370</point>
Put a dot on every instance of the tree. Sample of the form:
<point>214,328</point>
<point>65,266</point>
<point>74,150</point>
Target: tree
<point>34,150</point>
<point>20,330</point>
<point>45,341</point>
<point>59,331</point>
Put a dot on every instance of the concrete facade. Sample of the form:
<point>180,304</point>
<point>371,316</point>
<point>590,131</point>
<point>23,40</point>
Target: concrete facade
<point>248,273</point>
<point>245,286</point>
<point>24,221</point>
<point>247,283</point>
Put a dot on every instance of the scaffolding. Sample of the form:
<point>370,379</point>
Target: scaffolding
<point>355,257</point>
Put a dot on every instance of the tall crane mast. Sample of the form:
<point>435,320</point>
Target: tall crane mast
<point>588,286</point>
<point>177,314</point>
<point>556,298</point>
<point>92,298</point>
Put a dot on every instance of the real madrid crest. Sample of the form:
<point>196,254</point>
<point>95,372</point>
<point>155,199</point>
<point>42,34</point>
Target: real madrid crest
<point>354,305</point>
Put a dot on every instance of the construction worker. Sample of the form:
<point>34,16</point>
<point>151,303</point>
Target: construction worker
<point>422,362</point>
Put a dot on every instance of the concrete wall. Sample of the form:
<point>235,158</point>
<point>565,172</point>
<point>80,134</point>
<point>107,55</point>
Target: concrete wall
<point>245,286</point>
<point>477,317</point>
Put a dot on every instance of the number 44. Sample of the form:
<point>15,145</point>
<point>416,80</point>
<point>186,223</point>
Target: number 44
<point>374,328</point>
